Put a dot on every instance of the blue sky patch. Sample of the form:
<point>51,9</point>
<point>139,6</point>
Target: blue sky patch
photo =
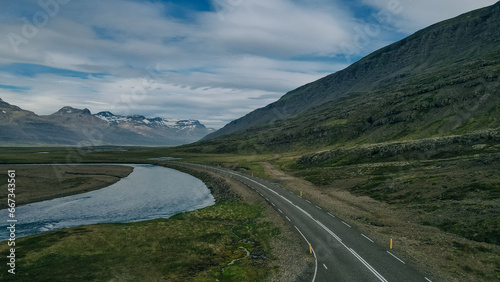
<point>15,88</point>
<point>32,70</point>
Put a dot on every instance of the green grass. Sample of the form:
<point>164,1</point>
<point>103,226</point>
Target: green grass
<point>484,230</point>
<point>454,189</point>
<point>194,246</point>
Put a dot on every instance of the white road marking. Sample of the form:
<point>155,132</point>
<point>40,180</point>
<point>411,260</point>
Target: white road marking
<point>319,207</point>
<point>273,204</point>
<point>329,231</point>
<point>380,277</point>
<point>267,199</point>
<point>346,224</point>
<point>325,266</point>
<point>367,238</point>
<point>287,218</point>
<point>314,253</point>
<point>428,279</point>
<point>308,201</point>
<point>299,196</point>
<point>367,265</point>
<point>261,194</point>
<point>396,257</point>
<point>330,214</point>
<point>280,211</point>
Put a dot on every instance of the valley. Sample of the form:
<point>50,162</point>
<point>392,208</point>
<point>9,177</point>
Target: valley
<point>422,204</point>
<point>392,162</point>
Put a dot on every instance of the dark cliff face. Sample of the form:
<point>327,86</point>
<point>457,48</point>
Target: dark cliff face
<point>453,43</point>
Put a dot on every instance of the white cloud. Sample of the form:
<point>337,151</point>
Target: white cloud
<point>415,15</point>
<point>281,28</point>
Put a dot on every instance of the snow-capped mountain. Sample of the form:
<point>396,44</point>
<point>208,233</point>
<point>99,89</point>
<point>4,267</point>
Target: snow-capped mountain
<point>71,126</point>
<point>152,122</point>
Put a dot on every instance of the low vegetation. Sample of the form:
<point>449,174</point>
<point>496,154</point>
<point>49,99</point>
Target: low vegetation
<point>230,241</point>
<point>225,242</point>
<point>451,192</point>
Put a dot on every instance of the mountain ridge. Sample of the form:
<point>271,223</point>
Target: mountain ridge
<point>432,48</point>
<point>442,80</point>
<point>72,126</point>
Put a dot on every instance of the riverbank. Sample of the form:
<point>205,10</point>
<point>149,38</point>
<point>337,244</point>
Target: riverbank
<point>35,183</point>
<point>288,256</point>
<point>240,238</point>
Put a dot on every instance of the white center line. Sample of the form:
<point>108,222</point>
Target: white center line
<point>325,266</point>
<point>346,224</point>
<point>396,257</point>
<point>367,238</point>
<point>287,218</point>
<point>380,277</point>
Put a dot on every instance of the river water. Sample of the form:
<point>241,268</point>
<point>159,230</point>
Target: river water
<point>149,192</point>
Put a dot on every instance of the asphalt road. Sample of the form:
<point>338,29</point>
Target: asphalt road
<point>342,252</point>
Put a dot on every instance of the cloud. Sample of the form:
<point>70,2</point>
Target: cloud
<point>280,28</point>
<point>211,61</point>
<point>415,15</point>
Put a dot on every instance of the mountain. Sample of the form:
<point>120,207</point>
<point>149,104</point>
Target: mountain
<point>71,126</point>
<point>440,81</point>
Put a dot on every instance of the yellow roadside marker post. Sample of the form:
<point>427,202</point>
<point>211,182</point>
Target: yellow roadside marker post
<point>301,193</point>
<point>391,244</point>
<point>310,249</point>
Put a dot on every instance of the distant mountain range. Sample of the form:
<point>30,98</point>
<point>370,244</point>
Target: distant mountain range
<point>70,126</point>
<point>443,80</point>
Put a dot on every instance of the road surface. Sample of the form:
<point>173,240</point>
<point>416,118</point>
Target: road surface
<point>342,252</point>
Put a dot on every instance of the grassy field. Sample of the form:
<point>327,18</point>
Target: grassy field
<point>38,183</point>
<point>224,242</point>
<point>457,195</point>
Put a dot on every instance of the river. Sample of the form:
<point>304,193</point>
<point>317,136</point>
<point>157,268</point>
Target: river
<point>149,192</point>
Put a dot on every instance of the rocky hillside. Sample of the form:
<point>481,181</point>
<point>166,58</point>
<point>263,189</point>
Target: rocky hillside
<point>70,126</point>
<point>443,80</point>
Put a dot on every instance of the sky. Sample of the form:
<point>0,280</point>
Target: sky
<point>210,60</point>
